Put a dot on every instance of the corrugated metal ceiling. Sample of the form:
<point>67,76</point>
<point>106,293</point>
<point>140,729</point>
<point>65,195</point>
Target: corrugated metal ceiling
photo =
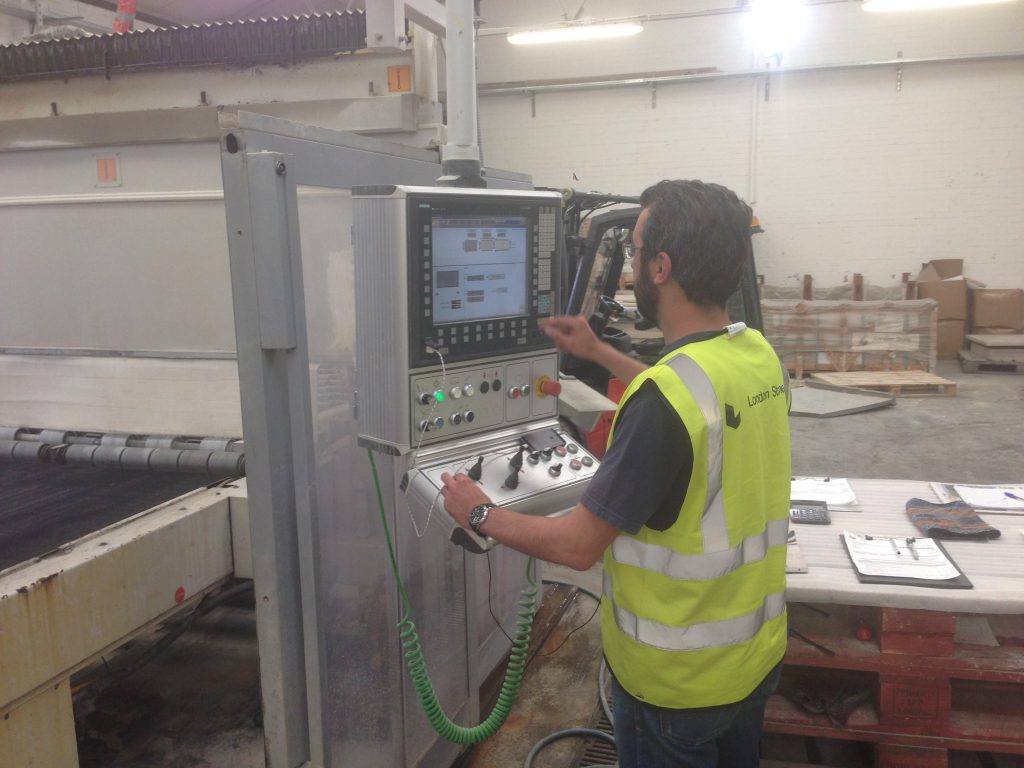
<point>239,43</point>
<point>183,12</point>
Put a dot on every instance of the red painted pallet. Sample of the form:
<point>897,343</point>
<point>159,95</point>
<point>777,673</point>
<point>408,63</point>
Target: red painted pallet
<point>922,692</point>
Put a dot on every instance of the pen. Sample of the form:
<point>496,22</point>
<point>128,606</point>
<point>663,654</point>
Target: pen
<point>895,546</point>
<point>1013,496</point>
<point>910,546</point>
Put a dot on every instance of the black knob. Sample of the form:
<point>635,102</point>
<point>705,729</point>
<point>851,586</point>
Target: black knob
<point>477,469</point>
<point>516,462</point>
<point>484,387</point>
<point>512,481</point>
<point>534,457</point>
<point>555,470</point>
<point>426,398</point>
<point>547,453</point>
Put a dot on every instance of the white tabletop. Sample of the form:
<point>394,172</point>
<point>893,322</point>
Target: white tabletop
<point>995,567</point>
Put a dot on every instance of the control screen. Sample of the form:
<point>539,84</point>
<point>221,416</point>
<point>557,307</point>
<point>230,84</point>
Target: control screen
<point>480,267</point>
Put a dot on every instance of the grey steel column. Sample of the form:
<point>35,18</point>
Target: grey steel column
<point>262,289</point>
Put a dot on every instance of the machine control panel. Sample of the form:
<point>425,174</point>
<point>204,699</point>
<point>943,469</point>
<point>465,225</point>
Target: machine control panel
<point>452,287</point>
<point>540,473</point>
<point>474,399</point>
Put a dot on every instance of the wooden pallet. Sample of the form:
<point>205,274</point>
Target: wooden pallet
<point>998,348</point>
<point>972,363</point>
<point>896,383</point>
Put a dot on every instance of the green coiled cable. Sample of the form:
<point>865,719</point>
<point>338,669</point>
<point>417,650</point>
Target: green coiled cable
<point>417,665</point>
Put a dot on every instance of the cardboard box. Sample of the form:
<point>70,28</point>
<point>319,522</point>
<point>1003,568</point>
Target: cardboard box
<point>950,338</point>
<point>943,281</point>
<point>998,308</point>
<point>940,269</point>
<point>950,294</point>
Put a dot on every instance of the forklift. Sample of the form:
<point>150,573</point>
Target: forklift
<point>597,246</point>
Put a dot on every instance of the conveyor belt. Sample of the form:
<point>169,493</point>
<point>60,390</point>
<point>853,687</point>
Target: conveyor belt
<point>43,505</point>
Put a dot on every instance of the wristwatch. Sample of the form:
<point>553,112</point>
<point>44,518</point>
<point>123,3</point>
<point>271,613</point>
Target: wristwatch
<point>478,516</point>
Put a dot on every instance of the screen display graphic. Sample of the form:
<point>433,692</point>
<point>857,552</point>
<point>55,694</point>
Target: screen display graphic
<point>480,267</point>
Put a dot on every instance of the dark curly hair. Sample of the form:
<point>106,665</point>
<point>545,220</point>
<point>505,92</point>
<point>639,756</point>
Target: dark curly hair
<point>705,230</point>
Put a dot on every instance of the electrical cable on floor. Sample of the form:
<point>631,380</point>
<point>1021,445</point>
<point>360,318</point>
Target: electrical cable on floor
<point>414,660</point>
<point>577,732</point>
<point>590,733</point>
<point>590,618</point>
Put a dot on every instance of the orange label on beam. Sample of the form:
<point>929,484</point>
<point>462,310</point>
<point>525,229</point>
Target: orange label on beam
<point>400,78</point>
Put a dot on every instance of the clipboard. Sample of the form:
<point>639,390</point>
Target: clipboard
<point>960,581</point>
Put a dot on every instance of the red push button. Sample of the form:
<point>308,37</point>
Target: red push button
<point>547,387</point>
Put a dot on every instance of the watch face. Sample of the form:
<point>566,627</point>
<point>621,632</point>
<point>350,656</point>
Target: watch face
<point>478,515</point>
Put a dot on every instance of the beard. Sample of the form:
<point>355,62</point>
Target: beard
<point>646,296</point>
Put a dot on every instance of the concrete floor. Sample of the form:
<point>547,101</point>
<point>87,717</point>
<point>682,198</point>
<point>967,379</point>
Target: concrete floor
<point>974,436</point>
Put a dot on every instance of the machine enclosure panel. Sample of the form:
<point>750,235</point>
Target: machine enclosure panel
<point>382,352</point>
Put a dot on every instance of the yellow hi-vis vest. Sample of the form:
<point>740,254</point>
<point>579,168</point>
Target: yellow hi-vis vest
<point>695,616</point>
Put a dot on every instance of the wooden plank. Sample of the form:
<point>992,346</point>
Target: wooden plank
<point>916,702</point>
<point>901,756</point>
<point>893,382</point>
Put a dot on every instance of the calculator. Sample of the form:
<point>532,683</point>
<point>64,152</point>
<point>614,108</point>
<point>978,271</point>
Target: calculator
<point>814,512</point>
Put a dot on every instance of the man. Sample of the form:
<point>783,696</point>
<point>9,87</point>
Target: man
<point>690,505</point>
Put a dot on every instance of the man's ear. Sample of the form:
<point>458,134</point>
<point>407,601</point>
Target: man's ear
<point>663,268</point>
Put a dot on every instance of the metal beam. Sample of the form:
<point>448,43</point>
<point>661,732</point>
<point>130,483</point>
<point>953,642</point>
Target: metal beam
<point>148,18</point>
<point>48,18</point>
<point>428,14</point>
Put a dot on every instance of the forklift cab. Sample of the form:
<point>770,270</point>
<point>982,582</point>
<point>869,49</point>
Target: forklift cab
<point>597,247</point>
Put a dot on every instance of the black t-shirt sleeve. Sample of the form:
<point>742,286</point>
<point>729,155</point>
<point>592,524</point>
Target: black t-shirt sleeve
<point>644,476</point>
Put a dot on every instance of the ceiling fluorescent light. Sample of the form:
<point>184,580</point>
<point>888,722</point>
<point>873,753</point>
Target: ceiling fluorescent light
<point>893,6</point>
<point>574,32</point>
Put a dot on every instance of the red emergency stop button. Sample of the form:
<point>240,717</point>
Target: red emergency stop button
<point>546,387</point>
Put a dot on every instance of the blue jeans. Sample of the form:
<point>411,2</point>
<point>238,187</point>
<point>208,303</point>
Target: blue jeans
<point>726,736</point>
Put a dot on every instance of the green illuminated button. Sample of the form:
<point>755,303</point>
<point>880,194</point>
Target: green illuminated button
<point>439,395</point>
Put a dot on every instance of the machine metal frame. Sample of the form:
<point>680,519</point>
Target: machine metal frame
<point>265,162</point>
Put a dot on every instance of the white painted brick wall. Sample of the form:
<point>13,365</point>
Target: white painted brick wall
<point>851,175</point>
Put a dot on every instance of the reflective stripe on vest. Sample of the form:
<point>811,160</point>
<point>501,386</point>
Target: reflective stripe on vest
<point>713,526</point>
<point>711,565</point>
<point>695,637</point>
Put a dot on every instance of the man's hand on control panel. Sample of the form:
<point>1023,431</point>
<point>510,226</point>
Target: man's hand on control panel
<point>460,496</point>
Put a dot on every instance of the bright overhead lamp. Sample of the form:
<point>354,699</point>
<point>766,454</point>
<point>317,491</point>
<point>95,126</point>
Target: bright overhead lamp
<point>895,6</point>
<point>573,32</point>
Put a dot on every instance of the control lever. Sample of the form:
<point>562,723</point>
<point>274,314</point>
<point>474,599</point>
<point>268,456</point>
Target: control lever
<point>477,470</point>
<point>512,481</point>
<point>607,307</point>
<point>516,462</point>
